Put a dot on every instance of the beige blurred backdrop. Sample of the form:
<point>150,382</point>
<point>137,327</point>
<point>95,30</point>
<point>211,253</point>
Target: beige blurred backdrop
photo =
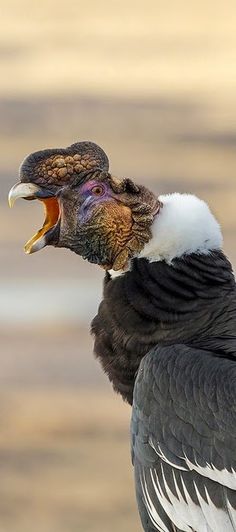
<point>154,83</point>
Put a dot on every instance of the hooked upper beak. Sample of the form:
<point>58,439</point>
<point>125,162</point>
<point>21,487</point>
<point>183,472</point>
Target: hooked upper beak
<point>23,190</point>
<point>30,191</point>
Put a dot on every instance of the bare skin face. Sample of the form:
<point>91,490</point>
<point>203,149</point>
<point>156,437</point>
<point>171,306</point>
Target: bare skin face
<point>104,219</point>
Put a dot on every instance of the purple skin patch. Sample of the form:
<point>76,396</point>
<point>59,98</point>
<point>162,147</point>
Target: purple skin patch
<point>92,193</point>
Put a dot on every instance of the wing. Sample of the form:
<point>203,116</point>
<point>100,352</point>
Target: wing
<point>184,440</point>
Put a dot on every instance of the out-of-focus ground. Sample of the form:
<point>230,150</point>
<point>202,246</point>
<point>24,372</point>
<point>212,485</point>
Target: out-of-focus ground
<point>154,84</point>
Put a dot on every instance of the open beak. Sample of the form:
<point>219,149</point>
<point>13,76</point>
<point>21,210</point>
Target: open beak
<point>31,191</point>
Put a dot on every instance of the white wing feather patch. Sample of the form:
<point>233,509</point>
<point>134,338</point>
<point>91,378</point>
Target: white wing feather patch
<point>217,519</point>
<point>153,515</point>
<point>223,476</point>
<point>176,508</point>
<point>182,510</point>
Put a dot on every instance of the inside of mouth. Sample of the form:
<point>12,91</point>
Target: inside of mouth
<point>52,212</point>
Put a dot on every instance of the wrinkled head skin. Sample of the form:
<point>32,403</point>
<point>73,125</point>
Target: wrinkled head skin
<point>105,219</point>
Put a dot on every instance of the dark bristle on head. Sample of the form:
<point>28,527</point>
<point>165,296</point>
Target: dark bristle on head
<point>60,166</point>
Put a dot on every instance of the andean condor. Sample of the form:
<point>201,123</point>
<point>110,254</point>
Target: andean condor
<point>165,332</point>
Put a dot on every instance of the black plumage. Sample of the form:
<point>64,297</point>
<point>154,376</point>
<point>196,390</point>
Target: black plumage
<point>169,333</point>
<point>189,301</point>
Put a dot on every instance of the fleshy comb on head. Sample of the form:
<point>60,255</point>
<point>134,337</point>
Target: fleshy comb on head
<point>60,166</point>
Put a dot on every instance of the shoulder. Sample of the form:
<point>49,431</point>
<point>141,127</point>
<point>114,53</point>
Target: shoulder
<point>180,374</point>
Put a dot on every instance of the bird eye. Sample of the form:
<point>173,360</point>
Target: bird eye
<point>98,190</point>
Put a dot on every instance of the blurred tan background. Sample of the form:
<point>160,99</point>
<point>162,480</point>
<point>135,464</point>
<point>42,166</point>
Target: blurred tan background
<point>154,83</point>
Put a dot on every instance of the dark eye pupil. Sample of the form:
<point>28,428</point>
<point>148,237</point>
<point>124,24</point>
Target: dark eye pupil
<point>97,191</point>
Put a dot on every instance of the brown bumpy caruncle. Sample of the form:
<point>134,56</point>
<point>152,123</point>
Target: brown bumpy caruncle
<point>61,166</point>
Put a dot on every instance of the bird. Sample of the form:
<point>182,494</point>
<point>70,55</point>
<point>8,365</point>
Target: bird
<point>165,330</point>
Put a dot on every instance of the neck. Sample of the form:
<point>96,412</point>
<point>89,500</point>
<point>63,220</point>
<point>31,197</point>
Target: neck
<point>159,303</point>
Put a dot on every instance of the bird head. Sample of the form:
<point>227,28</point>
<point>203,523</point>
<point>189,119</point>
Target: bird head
<point>105,219</point>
